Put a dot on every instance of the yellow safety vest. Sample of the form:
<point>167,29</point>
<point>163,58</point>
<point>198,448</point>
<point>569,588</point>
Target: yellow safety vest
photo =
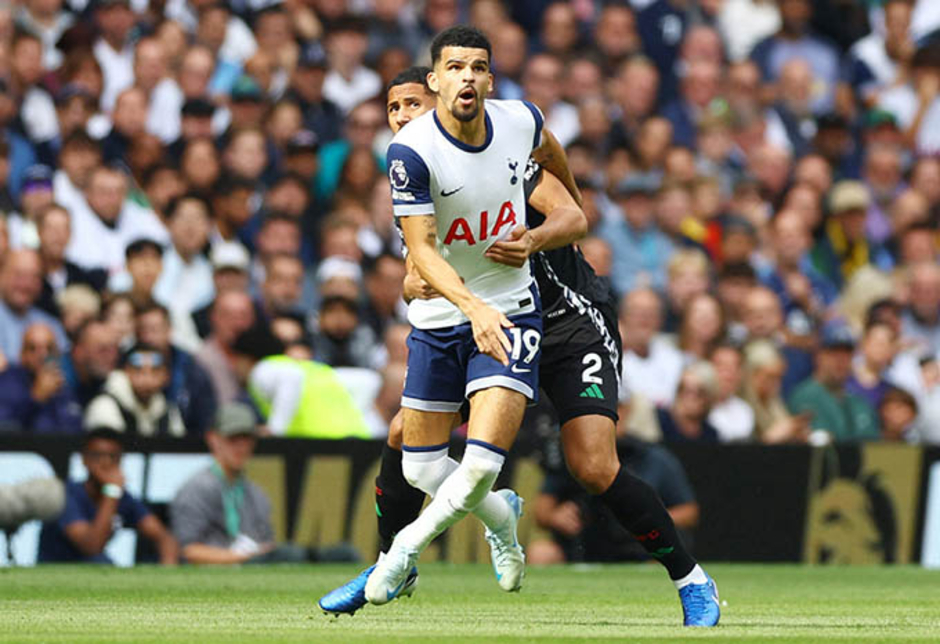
<point>326,408</point>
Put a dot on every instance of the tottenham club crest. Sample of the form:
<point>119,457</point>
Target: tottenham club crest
<point>513,165</point>
<point>398,175</point>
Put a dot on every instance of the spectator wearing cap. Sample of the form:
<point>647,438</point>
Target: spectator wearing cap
<point>230,262</point>
<point>247,107</point>
<point>185,284</point>
<point>20,288</point>
<point>232,313</point>
<point>833,408</point>
<point>102,230</point>
<point>300,155</point>
<point>297,398</point>
<point>97,507</point>
<point>132,399</point>
<point>144,260</point>
<point>47,21</point>
<point>843,247</point>
<point>34,396</point>
<point>348,81</point>
<point>321,115</point>
<point>195,123</point>
<point>643,250</point>
<point>219,516</point>
<point>114,48</point>
<point>36,108</point>
<point>54,229</point>
<point>35,195</point>
<point>189,386</point>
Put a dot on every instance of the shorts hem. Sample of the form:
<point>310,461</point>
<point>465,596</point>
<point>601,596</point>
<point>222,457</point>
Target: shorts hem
<point>478,384</point>
<point>440,406</point>
<point>578,412</point>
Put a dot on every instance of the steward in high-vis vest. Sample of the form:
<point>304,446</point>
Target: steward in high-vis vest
<point>298,398</point>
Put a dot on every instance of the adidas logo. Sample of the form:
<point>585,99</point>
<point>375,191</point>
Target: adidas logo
<point>592,392</point>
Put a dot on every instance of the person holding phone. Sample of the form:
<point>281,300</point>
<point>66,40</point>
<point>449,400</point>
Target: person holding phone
<point>33,394</point>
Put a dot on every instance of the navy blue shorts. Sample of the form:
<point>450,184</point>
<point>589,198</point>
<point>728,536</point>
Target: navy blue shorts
<point>445,366</point>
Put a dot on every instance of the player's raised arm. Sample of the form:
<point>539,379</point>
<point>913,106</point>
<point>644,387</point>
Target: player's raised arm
<point>551,156</point>
<point>564,223</point>
<point>420,234</point>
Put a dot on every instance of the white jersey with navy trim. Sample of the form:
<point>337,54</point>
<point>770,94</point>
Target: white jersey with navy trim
<point>476,195</point>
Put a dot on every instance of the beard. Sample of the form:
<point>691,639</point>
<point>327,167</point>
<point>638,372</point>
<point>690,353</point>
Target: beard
<point>467,115</point>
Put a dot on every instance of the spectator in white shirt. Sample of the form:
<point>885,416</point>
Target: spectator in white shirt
<point>652,366</point>
<point>80,155</point>
<point>349,82</point>
<point>114,49</point>
<point>730,415</point>
<point>166,98</point>
<point>36,107</point>
<point>102,230</point>
<point>541,82</point>
<point>185,285</point>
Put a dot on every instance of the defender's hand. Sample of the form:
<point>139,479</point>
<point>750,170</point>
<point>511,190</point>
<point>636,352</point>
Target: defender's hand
<point>514,249</point>
<point>488,325</point>
<point>416,288</point>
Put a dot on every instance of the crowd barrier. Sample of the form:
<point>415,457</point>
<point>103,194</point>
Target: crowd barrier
<point>871,503</point>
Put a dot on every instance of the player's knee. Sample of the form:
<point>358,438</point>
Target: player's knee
<point>427,476</point>
<point>595,472</point>
<point>396,430</point>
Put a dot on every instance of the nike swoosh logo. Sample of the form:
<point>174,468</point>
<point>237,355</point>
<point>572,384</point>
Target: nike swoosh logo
<point>515,370</point>
<point>392,594</point>
<point>445,193</point>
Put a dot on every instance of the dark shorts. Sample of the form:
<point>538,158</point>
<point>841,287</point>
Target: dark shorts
<point>445,367</point>
<point>580,370</point>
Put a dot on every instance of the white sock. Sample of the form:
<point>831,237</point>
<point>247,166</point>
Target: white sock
<point>467,489</point>
<point>697,576</point>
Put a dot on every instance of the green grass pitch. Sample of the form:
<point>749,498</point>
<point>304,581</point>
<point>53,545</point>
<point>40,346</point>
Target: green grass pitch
<point>462,603</point>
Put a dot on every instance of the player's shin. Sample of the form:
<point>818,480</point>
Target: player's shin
<point>396,502</point>
<point>466,490</point>
<point>640,510</point>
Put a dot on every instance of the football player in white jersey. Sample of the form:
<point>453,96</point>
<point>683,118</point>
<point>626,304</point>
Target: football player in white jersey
<point>579,318</point>
<point>456,176</point>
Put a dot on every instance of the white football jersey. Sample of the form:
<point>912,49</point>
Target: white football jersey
<point>476,195</point>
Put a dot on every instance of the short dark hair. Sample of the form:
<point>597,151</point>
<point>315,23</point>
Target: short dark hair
<point>102,433</point>
<point>173,206</point>
<point>257,342</point>
<point>415,74</point>
<point>460,36</point>
<point>150,307</point>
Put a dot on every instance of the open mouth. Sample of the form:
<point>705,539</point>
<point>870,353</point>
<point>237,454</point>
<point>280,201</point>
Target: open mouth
<point>467,97</point>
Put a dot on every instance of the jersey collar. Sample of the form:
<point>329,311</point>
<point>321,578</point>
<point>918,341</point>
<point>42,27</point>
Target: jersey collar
<point>488,124</point>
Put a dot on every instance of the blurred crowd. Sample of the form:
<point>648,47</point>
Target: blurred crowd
<point>195,209</point>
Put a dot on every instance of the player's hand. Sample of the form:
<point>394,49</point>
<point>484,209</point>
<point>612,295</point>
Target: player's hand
<point>514,249</point>
<point>567,519</point>
<point>488,325</point>
<point>416,288</point>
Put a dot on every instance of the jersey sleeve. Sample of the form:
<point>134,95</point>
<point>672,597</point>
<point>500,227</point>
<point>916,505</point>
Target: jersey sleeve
<point>539,122</point>
<point>410,180</point>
